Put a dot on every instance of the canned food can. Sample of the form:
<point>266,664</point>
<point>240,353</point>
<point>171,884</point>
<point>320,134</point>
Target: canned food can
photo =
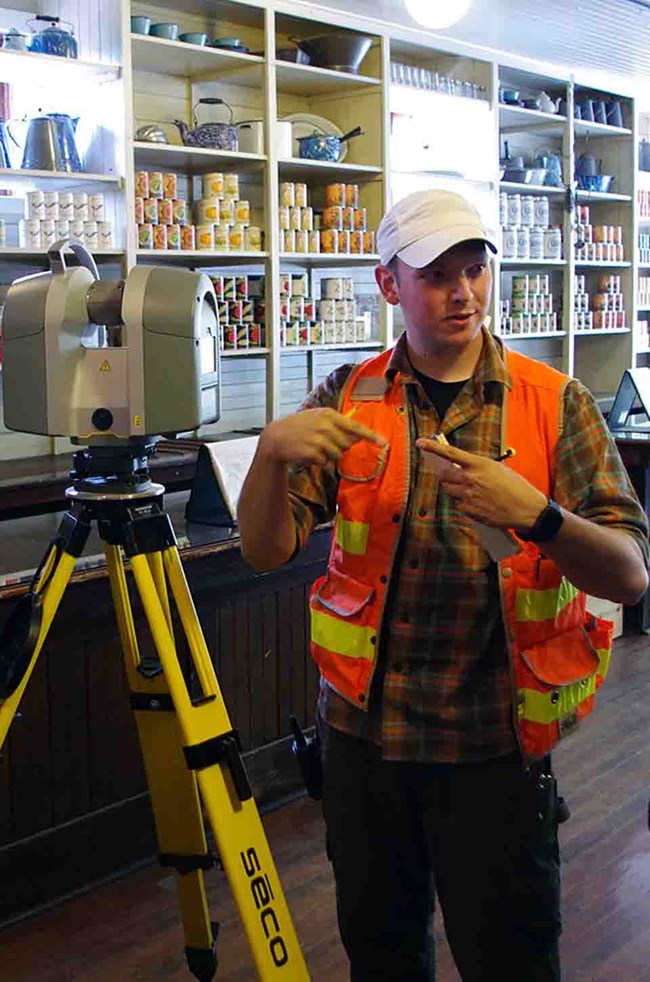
<point>520,304</point>
<point>288,240</point>
<point>170,186</point>
<point>329,240</point>
<point>288,194</point>
<point>520,285</point>
<point>348,287</point>
<point>248,313</point>
<point>329,332</point>
<point>139,211</point>
<point>360,219</point>
<point>297,308</point>
<point>332,288</point>
<point>165,211</point>
<point>30,233</point>
<point>542,211</point>
<point>256,335</point>
<point>310,309</point>
<point>205,238</point>
<point>241,287</point>
<point>335,194</point>
<point>344,241</point>
<point>307,219</point>
<point>230,288</point>
<point>508,242</point>
<point>618,234</point>
<point>76,229</point>
<point>544,283</point>
<point>243,340</point>
<point>235,310</point>
<point>242,212</point>
<point>260,311</point>
<point>221,238</point>
<point>523,242</point>
<point>159,236</point>
<point>253,238</point>
<point>151,210</point>
<point>536,248</point>
<point>553,243</point>
<point>173,236</point>
<point>231,185</point>
<point>333,217</point>
<point>352,195</point>
<point>341,310</point>
<point>302,240</point>
<point>285,284</point>
<point>316,332</point>
<point>304,334</point>
<point>223,311</point>
<point>104,235</point>
<point>217,283</point>
<point>155,184</point>
<point>188,237</point>
<point>142,184</point>
<point>295,218</point>
<point>301,195</point>
<point>95,207</point>
<point>348,219</point>
<point>62,227</point>
<point>369,242</point>
<point>356,243</point>
<point>36,205</point>
<point>145,236</point>
<point>299,285</point>
<point>212,185</point>
<point>327,309</point>
<point>208,211</point>
<point>179,211</point>
<point>314,241</point>
<point>514,209</point>
<point>284,215</point>
<point>527,210</point>
<point>285,306</point>
<point>230,336</point>
<point>237,238</point>
<point>227,211</point>
<point>51,206</point>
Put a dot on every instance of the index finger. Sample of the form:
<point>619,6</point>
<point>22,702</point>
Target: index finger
<point>453,454</point>
<point>360,431</point>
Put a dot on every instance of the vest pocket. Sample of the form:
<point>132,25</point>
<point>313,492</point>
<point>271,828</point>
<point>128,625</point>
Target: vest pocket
<point>563,660</point>
<point>341,594</point>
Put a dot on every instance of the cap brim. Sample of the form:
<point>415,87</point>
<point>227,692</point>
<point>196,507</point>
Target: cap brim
<point>428,249</point>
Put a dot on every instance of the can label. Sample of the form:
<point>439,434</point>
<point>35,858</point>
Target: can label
<point>205,237</point>
<point>301,195</point>
<point>352,195</point>
<point>335,194</point>
<point>288,194</point>
<point>221,238</point>
<point>333,217</point>
<point>212,185</point>
<point>173,236</point>
<point>188,237</point>
<point>145,236</point>
<point>208,211</point>
<point>159,236</point>
<point>242,212</point>
<point>151,210</point>
<point>179,211</point>
<point>329,240</point>
<point>139,211</point>
<point>155,184</point>
<point>253,238</point>
<point>142,184</point>
<point>170,186</point>
<point>344,241</point>
<point>237,238</point>
<point>165,211</point>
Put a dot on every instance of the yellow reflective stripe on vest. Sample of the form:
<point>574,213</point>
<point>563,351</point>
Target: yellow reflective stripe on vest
<point>544,605</point>
<point>604,656</point>
<point>352,536</point>
<point>344,639</point>
<point>538,707</point>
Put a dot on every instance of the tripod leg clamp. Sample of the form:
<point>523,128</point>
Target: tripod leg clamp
<point>217,749</point>
<point>188,864</point>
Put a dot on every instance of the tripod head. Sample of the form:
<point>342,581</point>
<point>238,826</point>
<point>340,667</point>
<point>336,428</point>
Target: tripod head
<point>118,469</point>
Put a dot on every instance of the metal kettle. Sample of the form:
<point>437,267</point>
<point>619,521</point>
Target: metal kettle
<point>53,40</point>
<point>42,149</point>
<point>66,127</point>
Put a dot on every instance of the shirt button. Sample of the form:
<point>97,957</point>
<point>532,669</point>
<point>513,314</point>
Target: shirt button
<point>506,573</point>
<point>383,578</point>
<point>373,639</point>
<point>396,518</point>
<point>422,512</point>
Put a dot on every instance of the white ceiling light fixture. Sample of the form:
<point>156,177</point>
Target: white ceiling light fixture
<point>436,14</point>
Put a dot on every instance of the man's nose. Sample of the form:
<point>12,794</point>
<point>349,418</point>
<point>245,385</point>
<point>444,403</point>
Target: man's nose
<point>461,289</point>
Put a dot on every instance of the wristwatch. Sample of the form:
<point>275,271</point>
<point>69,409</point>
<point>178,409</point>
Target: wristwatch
<point>547,524</point>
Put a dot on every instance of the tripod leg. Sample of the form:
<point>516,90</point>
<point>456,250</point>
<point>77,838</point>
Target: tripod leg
<point>210,749</point>
<point>174,794</point>
<point>59,572</point>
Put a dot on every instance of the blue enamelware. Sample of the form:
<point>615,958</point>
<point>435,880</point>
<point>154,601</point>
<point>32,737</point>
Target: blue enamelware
<point>194,37</point>
<point>168,31</point>
<point>140,25</point>
<point>319,146</point>
<point>54,40</point>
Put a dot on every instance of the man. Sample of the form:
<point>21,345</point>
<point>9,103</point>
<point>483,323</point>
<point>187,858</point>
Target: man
<point>447,676</point>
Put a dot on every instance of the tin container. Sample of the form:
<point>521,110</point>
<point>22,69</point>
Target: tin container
<point>503,208</point>
<point>331,288</point>
<point>217,283</point>
<point>299,285</point>
<point>369,242</point>
<point>514,209</point>
<point>553,243</point>
<point>142,183</point>
<point>536,243</point>
<point>544,283</point>
<point>104,235</point>
<point>307,219</point>
<point>288,240</point>
<point>151,210</point>
<point>302,240</point>
<point>229,288</point>
<point>155,184</point>
<point>166,211</point>
<point>243,340</point>
<point>139,211</point>
<point>253,238</point>
<point>188,237</point>
<point>66,205</point>
<point>227,211</point>
<point>508,242</point>
<point>360,219</point>
<point>205,238</point>
<point>352,195</point>
<point>212,185</point>
<point>335,194</point>
<point>314,241</point>
<point>62,227</point>
<point>288,194</point>
<point>284,216</point>
<point>248,313</point>
<point>285,285</point>
<point>542,211</point>
<point>170,186</point>
<point>145,236</point>
<point>348,288</point>
<point>297,308</point>
<point>344,242</point>
<point>260,311</point>
<point>326,309</point>
<point>295,218</point>
<point>293,333</point>
<point>36,205</point>
<point>310,309</point>
<point>316,332</point>
<point>231,185</point>
<point>523,242</point>
<point>356,243</point>
<point>208,211</point>
<point>301,195</point>
<point>30,233</point>
<point>527,210</point>
<point>223,311</point>
<point>242,212</point>
<point>173,236</point>
<point>348,219</point>
<point>159,236</point>
<point>329,332</point>
<point>235,310</point>
<point>95,207</point>
<point>329,241</point>
<point>241,287</point>
<point>51,206</point>
<point>237,238</point>
<point>76,229</point>
<point>333,217</point>
<point>285,306</point>
<point>221,238</point>
<point>304,334</point>
<point>230,336</point>
<point>256,335</point>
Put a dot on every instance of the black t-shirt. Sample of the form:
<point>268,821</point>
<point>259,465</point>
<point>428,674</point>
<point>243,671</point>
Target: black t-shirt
<point>440,394</point>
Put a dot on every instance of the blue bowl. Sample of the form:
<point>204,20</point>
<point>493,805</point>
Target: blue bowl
<point>319,147</point>
<point>140,25</point>
<point>168,31</point>
<point>194,37</point>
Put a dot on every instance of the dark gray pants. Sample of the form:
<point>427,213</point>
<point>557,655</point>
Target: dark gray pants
<point>483,837</point>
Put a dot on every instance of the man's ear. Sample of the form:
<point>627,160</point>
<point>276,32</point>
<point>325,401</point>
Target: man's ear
<point>387,283</point>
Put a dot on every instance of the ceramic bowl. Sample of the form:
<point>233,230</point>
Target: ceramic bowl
<point>168,31</point>
<point>194,37</point>
<point>140,25</point>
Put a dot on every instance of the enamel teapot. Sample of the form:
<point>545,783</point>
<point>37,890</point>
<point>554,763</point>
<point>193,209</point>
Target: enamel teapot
<point>213,136</point>
<point>548,105</point>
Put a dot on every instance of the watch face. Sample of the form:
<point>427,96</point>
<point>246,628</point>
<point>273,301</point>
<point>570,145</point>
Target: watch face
<point>547,526</point>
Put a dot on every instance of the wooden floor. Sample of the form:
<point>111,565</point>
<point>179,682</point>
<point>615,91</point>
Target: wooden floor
<point>128,931</point>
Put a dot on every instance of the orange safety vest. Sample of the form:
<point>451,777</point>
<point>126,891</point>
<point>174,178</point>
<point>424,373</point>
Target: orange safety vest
<point>559,653</point>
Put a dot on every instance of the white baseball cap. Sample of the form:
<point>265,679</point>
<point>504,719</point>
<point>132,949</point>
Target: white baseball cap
<point>423,225</point>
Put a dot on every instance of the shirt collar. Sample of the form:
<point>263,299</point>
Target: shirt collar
<point>491,366</point>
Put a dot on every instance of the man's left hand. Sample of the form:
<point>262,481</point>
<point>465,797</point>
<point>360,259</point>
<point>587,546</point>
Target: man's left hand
<point>484,489</point>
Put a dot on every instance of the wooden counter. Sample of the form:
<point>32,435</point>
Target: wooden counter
<point>73,801</point>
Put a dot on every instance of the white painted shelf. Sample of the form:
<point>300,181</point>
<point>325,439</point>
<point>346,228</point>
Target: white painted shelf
<point>164,57</point>
<point>584,128</point>
<point>309,80</point>
<point>296,349</point>
<point>533,336</point>
<point>514,119</point>
<point>199,257</point>
<point>603,264</point>
<point>15,252</point>
<point>602,196</point>
<point>518,188</point>
<point>297,169</point>
<point>603,330</point>
<point>523,263</point>
<point>329,259</point>
<point>26,66</point>
<point>195,159</point>
<point>244,352</point>
<point>58,179</point>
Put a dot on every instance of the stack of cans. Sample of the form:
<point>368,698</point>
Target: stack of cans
<point>530,310</point>
<point>332,319</point>
<point>608,312</point>
<point>597,243</point>
<point>341,227</point>
<point>54,215</point>
<point>242,313</point>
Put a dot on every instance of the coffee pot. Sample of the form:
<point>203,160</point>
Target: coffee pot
<point>548,105</point>
<point>49,143</point>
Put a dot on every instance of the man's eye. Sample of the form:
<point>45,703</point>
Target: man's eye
<point>478,269</point>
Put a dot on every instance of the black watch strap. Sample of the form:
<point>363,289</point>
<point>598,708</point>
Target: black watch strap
<point>547,524</point>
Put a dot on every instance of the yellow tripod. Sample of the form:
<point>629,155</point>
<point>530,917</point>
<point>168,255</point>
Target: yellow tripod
<point>190,750</point>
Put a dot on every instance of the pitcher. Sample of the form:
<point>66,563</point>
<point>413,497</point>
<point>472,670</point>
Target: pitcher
<point>66,127</point>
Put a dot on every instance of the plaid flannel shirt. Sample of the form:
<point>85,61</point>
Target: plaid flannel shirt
<point>442,689</point>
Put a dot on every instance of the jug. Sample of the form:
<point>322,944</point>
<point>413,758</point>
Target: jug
<point>588,166</point>
<point>66,129</point>
<point>42,150</point>
<point>552,164</point>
